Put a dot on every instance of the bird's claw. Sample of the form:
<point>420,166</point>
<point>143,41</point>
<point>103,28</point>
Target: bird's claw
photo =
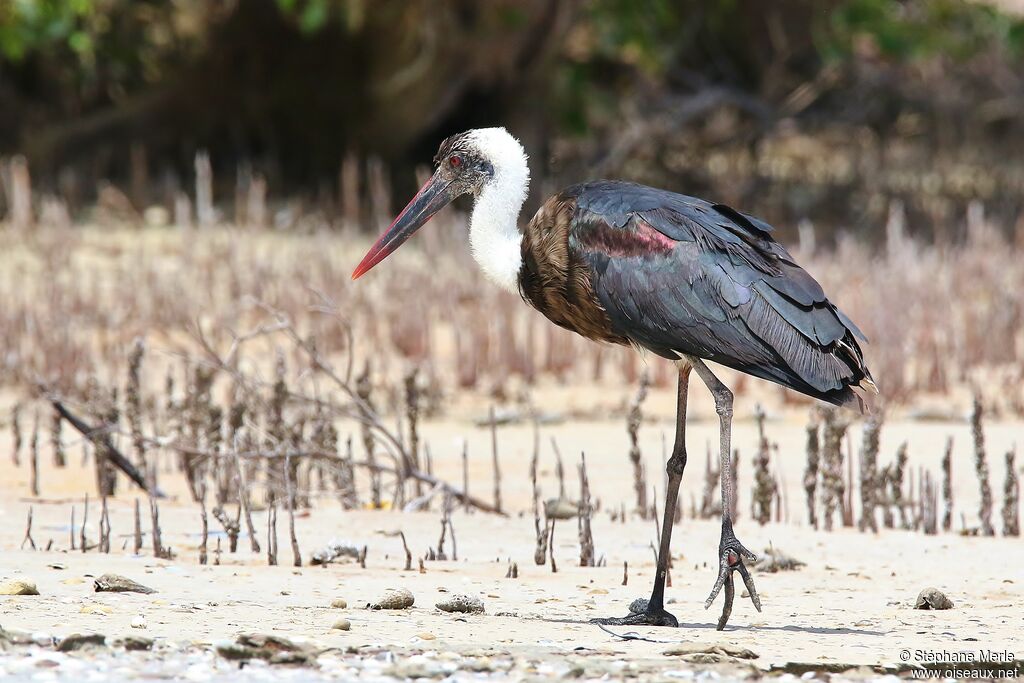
<point>730,559</point>
<point>641,614</point>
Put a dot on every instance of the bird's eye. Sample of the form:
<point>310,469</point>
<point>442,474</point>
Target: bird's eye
<point>455,160</point>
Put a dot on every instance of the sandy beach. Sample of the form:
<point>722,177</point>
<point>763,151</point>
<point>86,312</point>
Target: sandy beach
<point>849,610</point>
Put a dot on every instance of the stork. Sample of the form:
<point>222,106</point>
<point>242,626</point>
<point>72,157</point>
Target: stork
<point>684,278</point>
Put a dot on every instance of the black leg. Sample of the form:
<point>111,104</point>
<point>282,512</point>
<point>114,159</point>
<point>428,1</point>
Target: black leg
<point>731,552</point>
<point>653,613</point>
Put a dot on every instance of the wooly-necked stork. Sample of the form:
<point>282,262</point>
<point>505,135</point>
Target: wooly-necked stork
<point>684,278</point>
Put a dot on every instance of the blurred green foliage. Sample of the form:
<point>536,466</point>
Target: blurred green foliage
<point>955,29</point>
<point>273,78</point>
<point>27,25</point>
<point>649,35</point>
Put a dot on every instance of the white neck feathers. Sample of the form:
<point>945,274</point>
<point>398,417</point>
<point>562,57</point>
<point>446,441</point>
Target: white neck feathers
<point>494,236</point>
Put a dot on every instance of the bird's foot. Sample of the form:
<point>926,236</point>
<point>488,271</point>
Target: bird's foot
<point>731,554</point>
<point>641,613</point>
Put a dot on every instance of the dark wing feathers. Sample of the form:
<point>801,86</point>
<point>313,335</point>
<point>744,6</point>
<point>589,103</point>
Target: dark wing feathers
<point>726,291</point>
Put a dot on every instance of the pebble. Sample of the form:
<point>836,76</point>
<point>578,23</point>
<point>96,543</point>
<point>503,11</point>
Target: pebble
<point>465,604</point>
<point>426,635</point>
<point>774,560</point>
<point>274,649</point>
<point>932,598</point>
<point>136,643</point>
<point>561,508</point>
<point>342,625</point>
<point>339,603</point>
<point>79,641</point>
<point>394,598</point>
<point>19,637</point>
<point>709,654</point>
<point>18,587</point>
<point>115,583</point>
<point>138,621</point>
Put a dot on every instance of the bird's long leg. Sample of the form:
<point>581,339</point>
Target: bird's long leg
<point>730,551</point>
<point>653,613</point>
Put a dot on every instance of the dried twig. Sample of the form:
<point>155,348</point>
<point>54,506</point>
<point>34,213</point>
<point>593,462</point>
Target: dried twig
<point>412,413</point>
<point>832,464</point>
<point>408,553</point>
<point>633,420</point>
<point>272,534</point>
<point>540,552</point>
<point>100,439</point>
<point>811,472</point>
<point>28,531</point>
<point>137,535</point>
<point>154,512</point>
<point>765,488</point>
<point>583,519</point>
<point>16,430</point>
<point>85,519</point>
<point>1011,497</point>
<point>289,501</point>
<point>204,525</point>
<point>869,473</point>
<point>551,544</point>
<point>981,467</point>
<point>104,545</point>
<point>947,486</point>
<point>495,464</point>
<point>34,455</point>
<point>559,468</point>
<point>243,501</point>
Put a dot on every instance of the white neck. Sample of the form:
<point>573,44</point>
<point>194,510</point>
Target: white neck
<point>494,236</point>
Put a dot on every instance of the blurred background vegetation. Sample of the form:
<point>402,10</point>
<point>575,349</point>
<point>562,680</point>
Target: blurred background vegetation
<point>821,110</point>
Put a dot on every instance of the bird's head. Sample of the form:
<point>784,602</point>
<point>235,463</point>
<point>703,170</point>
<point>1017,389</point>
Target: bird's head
<point>464,164</point>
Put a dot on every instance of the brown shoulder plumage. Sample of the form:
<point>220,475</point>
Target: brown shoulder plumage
<point>557,281</point>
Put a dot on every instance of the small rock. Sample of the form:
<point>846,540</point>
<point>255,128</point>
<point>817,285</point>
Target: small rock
<point>80,641</point>
<point>274,649</point>
<point>774,560</point>
<point>561,508</point>
<point>93,608</point>
<point>339,603</point>
<point>395,598</point>
<point>342,625</point>
<point>18,587</point>
<point>19,637</point>
<point>138,621</point>
<point>335,550</point>
<point>709,654</point>
<point>465,604</point>
<point>231,650</point>
<point>137,643</point>
<point>932,598</point>
<point>426,635</point>
<point>638,606</point>
<point>114,583</point>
